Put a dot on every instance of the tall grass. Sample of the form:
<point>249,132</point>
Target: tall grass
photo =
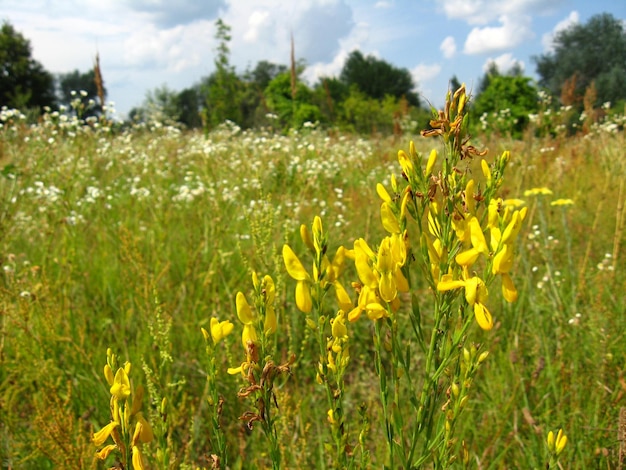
<point>133,240</point>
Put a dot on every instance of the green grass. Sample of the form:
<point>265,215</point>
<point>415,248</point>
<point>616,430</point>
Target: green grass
<point>106,238</point>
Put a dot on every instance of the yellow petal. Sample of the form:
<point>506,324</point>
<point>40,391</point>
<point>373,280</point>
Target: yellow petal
<point>244,312</point>
<point>477,235</point>
<point>219,330</point>
<point>121,385</point>
<point>407,166</point>
<point>468,257</point>
<point>271,322</point>
<point>432,159</point>
<point>486,170</point>
<point>338,328</point>
<point>306,237</point>
<point>137,460</point>
<point>108,374</point>
<point>509,292</point>
<point>470,202</point>
<point>103,453</point>
<point>235,370</point>
<point>146,435</point>
<point>362,264</point>
<point>248,335</point>
<point>293,265</point>
<point>343,299</point>
<point>511,231</point>
<point>101,436</point>
<point>471,290</point>
<point>447,283</point>
<point>389,219</point>
<point>503,260</point>
<point>382,193</point>
<point>401,282</point>
<point>483,317</point>
<point>304,302</point>
<point>387,287</point>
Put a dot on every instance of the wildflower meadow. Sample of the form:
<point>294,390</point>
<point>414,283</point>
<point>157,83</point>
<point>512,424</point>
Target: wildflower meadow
<point>252,299</point>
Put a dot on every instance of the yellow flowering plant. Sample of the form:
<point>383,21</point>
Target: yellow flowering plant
<point>218,331</point>
<point>329,326</point>
<point>453,233</point>
<point>128,429</point>
<point>259,369</point>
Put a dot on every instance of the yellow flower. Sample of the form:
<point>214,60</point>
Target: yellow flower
<point>220,329</point>
<point>556,444</point>
<point>368,302</point>
<point>121,385</point>
<point>562,202</point>
<point>101,436</point>
<point>432,159</point>
<point>138,460</point>
<point>476,295</point>
<point>543,191</point>
<point>244,312</point>
<point>108,374</point>
<point>479,244</point>
<point>338,327</point>
<point>294,267</point>
<point>103,453</point>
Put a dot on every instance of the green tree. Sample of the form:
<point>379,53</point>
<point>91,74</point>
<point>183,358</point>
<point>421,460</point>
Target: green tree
<point>189,103</point>
<point>223,86</point>
<point>24,83</point>
<point>330,93</point>
<point>506,103</point>
<point>252,102</point>
<point>377,78</point>
<point>71,84</point>
<point>593,52</point>
<point>160,105</point>
<point>280,101</point>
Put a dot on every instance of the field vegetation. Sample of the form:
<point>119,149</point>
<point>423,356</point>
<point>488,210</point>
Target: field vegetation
<point>121,246</point>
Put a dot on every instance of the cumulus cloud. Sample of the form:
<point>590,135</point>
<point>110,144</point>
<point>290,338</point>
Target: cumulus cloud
<point>167,13</point>
<point>481,12</point>
<point>490,39</point>
<point>548,39</point>
<point>448,47</point>
<point>175,49</point>
<point>317,27</point>
<point>504,62</point>
<point>355,40</point>
<point>424,72</point>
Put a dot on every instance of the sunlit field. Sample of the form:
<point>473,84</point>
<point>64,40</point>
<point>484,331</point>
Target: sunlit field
<point>365,340</point>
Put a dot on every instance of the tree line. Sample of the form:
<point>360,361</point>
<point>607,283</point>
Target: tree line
<point>369,95</point>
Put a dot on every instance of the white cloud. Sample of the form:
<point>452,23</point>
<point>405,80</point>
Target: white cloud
<point>261,29</point>
<point>424,72</point>
<point>513,32</point>
<point>448,47</point>
<point>167,13</point>
<point>481,12</point>
<point>548,38</point>
<point>383,4</point>
<point>355,40</point>
<point>175,49</point>
<point>504,62</point>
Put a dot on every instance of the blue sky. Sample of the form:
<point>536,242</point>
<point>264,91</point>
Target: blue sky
<point>144,44</point>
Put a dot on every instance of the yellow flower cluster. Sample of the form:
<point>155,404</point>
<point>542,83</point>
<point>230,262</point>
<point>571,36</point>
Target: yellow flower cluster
<point>504,225</point>
<point>127,419</point>
<point>263,317</point>
<point>325,273</point>
<point>381,276</point>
